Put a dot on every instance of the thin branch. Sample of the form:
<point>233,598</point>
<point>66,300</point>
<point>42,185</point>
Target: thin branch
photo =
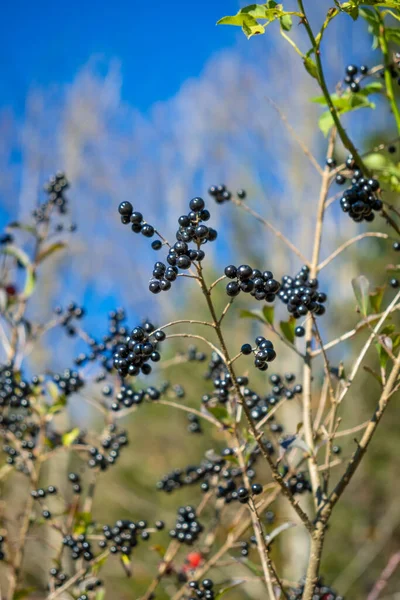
<point>272,228</point>
<point>294,135</point>
<point>345,245</point>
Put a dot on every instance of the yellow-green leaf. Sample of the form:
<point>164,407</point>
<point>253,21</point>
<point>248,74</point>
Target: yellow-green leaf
<point>69,437</point>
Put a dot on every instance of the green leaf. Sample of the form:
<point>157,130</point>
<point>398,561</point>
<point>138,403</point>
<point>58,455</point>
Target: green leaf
<point>268,312</point>
<point>46,252</point>
<point>249,314</point>
<point>23,259</point>
<point>229,587</point>
<point>126,563</point>
<point>376,298</point>
<point>220,413</point>
<point>286,22</point>
<point>382,354</point>
<point>24,593</point>
<point>374,374</point>
<point>247,18</point>
<point>22,227</point>
<point>287,328</point>
<point>393,35</point>
<point>69,437</point>
<point>101,594</point>
<point>82,522</point>
<point>310,66</point>
<point>361,291</point>
<point>388,171</point>
<point>59,399</point>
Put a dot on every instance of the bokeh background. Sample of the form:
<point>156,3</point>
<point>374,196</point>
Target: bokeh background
<point>152,103</point>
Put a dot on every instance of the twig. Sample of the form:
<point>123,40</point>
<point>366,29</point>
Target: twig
<point>350,242</point>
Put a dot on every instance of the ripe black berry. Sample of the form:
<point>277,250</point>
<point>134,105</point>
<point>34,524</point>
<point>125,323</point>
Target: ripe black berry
<point>125,209</point>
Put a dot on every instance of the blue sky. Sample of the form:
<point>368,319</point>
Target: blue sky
<point>159,44</point>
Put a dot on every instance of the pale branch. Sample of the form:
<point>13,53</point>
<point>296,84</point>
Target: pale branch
<point>272,228</point>
<point>345,245</point>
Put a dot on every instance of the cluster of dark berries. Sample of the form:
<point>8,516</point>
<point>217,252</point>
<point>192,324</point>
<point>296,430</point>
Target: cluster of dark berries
<point>103,351</point>
<point>209,469</point>
<point>24,430</point>
<point>202,590</point>
<point>298,483</point>
<point>181,255</point>
<point>112,443</point>
<point>14,390</point>
<point>58,577</point>
<point>2,553</point>
<point>221,194</point>
<point>194,424</point>
<point>69,382</point>
<point>351,74</point>
<point>261,405</point>
<point>321,592</point>
<point>133,355</point>
<point>55,189</point>
<point>128,215</point>
<point>260,285</point>
<point>301,294</point>
<point>6,238</point>
<point>193,354</point>
<point>245,546</point>
<point>75,479</point>
<point>263,353</point>
<point>79,546</point>
<point>128,396</point>
<point>68,315</point>
<point>187,528</point>
<point>41,493</point>
<point>360,200</point>
<point>125,535</point>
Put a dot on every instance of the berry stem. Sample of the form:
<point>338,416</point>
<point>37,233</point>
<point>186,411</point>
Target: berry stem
<point>272,228</point>
<point>257,435</point>
<point>350,242</point>
<point>383,43</point>
<point>324,88</point>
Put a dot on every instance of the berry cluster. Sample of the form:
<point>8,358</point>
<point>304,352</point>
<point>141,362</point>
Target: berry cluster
<point>75,479</point>
<point>260,285</point>
<point>321,592</point>
<point>69,381</point>
<point>298,483</point>
<point>58,577</point>
<point>202,590</point>
<point>128,215</point>
<point>24,430</point>
<point>260,406</point>
<point>245,546</point>
<point>263,354</point>
<point>187,528</point>
<point>350,76</point>
<point>214,472</point>
<point>128,396</point>
<point>2,553</point>
<point>125,535</point>
<point>79,547</point>
<point>181,256</point>
<point>55,189</point>
<point>132,356</point>
<point>41,493</point>
<point>360,200</point>
<point>194,424</point>
<point>104,350</point>
<point>113,442</point>
<point>68,315</point>
<point>221,194</point>
<point>15,392</point>
<point>301,294</point>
